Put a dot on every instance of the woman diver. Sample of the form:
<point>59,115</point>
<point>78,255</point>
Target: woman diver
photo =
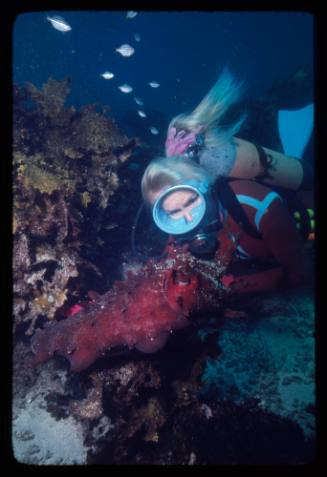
<point>211,179</point>
<point>188,205</point>
<point>201,135</point>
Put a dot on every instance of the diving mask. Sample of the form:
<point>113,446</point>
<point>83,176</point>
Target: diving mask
<point>177,226</point>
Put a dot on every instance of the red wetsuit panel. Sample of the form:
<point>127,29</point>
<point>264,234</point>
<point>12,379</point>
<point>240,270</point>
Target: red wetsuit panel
<point>280,237</point>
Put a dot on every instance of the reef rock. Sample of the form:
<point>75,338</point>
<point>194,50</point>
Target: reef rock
<point>65,174</point>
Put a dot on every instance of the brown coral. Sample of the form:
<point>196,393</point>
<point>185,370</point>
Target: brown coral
<point>52,96</point>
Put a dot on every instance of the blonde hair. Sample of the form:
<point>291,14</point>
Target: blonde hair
<point>164,172</point>
<point>209,112</point>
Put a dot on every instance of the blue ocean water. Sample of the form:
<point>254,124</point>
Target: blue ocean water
<point>183,51</point>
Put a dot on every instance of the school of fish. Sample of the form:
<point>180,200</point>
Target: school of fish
<point>125,50</point>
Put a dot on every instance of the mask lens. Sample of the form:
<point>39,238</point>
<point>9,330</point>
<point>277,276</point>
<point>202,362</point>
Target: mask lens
<point>172,225</point>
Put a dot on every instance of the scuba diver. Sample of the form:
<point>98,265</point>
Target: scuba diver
<point>189,205</point>
<point>212,180</point>
<point>204,136</point>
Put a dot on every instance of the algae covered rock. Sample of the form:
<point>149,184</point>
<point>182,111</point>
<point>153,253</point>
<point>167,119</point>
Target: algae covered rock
<point>65,172</point>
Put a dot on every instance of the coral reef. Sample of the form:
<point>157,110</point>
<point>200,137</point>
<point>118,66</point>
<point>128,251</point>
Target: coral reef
<point>238,391</point>
<point>165,409</point>
<point>65,172</point>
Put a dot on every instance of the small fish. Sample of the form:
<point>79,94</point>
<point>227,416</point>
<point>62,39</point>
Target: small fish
<point>141,113</point>
<point>125,50</point>
<point>125,88</point>
<point>137,37</point>
<point>110,226</point>
<point>59,24</point>
<point>131,14</point>
<point>154,84</point>
<point>154,130</point>
<point>107,75</point>
<point>138,101</point>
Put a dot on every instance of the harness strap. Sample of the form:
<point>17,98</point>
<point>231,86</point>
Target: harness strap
<point>230,202</point>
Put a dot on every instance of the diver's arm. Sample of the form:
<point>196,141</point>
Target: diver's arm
<point>284,171</point>
<point>273,278</point>
<point>285,244</point>
<point>253,282</point>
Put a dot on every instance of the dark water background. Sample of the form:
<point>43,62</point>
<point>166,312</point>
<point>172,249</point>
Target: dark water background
<point>183,51</point>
